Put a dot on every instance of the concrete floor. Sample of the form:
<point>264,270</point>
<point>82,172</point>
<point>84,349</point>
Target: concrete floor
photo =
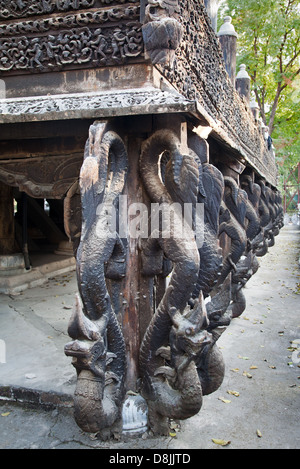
<point>262,368</point>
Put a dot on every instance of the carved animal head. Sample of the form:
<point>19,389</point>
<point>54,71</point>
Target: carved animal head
<point>88,356</point>
<point>188,333</point>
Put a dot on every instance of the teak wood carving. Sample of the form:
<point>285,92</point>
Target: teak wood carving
<point>160,280</point>
<point>179,360</point>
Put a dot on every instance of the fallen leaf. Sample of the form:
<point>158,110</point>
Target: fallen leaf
<point>236,370</point>
<point>272,366</point>
<point>243,358</point>
<point>258,433</point>
<point>221,442</point>
<point>172,434</point>
<point>226,401</point>
<point>234,393</point>
<point>248,375</point>
<point>253,367</point>
<point>5,414</point>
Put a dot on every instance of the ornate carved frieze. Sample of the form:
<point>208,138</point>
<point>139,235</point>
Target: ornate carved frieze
<point>75,20</point>
<point>93,104</point>
<point>74,47</point>
<point>10,9</point>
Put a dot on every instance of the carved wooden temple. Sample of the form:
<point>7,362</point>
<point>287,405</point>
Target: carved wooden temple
<point>117,107</point>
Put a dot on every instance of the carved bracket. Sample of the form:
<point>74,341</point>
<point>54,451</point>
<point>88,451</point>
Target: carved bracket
<point>162,31</point>
<point>209,260</point>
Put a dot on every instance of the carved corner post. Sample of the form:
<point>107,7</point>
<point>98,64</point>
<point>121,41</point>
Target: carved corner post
<point>114,305</point>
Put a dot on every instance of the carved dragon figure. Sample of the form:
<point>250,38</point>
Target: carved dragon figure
<point>98,345</point>
<point>174,378</point>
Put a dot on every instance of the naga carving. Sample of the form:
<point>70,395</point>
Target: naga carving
<point>179,362</point>
<point>98,345</point>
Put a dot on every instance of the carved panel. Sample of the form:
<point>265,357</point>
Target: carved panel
<point>43,178</point>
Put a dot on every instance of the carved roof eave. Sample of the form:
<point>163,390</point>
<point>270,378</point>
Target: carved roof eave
<point>239,150</point>
<point>118,103</point>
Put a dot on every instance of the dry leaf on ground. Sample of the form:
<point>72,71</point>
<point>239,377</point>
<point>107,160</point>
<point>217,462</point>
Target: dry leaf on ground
<point>221,442</point>
<point>233,393</point>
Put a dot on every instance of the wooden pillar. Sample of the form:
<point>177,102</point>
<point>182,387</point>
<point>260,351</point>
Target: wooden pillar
<point>132,295</point>
<point>7,225</point>
<point>228,37</point>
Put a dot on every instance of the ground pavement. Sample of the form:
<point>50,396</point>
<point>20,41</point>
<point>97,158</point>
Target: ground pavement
<point>256,407</point>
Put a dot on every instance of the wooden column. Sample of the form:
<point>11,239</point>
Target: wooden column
<point>132,297</point>
<point>7,225</point>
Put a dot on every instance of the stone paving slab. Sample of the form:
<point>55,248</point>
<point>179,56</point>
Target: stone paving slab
<point>262,370</point>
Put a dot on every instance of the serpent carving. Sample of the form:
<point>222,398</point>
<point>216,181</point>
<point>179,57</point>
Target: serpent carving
<point>232,222</point>
<point>210,251</point>
<point>98,345</point>
<point>173,374</point>
<point>179,360</point>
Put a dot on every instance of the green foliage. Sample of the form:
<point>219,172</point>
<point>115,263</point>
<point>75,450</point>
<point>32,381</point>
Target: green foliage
<point>269,45</point>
